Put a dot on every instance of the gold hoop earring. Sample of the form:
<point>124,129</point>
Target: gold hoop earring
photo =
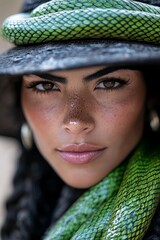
<point>154,121</point>
<point>26,136</point>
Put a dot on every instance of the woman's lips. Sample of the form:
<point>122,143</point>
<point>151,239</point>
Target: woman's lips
<point>79,153</point>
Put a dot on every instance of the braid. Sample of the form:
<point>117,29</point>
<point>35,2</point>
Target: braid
<point>29,209</point>
<point>153,232</point>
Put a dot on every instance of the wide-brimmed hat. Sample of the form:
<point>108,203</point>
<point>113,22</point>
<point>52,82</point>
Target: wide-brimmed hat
<point>73,53</point>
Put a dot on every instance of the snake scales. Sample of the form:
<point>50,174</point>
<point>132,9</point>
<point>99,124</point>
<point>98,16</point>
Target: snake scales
<point>120,207</point>
<point>75,19</point>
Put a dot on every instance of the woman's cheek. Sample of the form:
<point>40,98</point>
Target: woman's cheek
<point>124,117</point>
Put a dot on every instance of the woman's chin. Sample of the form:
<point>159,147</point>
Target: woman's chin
<point>81,182</point>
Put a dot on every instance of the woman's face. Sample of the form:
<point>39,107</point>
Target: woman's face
<point>85,122</point>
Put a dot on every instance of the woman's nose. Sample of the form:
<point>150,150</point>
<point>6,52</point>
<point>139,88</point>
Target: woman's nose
<point>76,126</point>
<point>77,117</point>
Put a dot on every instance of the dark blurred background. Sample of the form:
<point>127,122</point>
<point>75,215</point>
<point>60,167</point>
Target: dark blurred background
<point>8,147</point>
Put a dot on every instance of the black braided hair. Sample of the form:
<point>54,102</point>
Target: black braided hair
<point>35,192</point>
<point>150,74</point>
<point>37,188</point>
<point>153,233</point>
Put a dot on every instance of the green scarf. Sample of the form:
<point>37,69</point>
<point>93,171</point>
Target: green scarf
<point>119,207</point>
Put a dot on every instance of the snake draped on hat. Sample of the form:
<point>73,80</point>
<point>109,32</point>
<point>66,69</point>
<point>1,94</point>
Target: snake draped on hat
<point>61,34</point>
<point>67,34</point>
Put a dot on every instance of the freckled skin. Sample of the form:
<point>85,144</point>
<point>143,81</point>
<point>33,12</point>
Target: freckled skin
<point>80,113</point>
<point>75,112</point>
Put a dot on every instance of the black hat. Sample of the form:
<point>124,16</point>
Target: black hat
<point>75,53</point>
<point>69,54</point>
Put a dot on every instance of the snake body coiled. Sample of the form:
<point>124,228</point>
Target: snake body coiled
<point>123,204</point>
<point>77,19</point>
<point>120,207</point>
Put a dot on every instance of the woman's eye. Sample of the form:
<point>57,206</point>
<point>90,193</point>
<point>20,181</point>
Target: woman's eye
<point>46,86</point>
<point>42,86</point>
<point>110,84</point>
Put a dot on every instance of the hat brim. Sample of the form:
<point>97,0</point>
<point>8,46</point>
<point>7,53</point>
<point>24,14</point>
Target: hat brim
<point>75,54</point>
<point>59,56</point>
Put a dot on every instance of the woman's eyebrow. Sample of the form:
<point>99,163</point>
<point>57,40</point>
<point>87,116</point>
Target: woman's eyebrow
<point>51,77</point>
<point>103,72</point>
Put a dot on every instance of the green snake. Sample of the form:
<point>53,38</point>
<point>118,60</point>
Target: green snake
<point>76,19</point>
<point>122,205</point>
<point>119,207</point>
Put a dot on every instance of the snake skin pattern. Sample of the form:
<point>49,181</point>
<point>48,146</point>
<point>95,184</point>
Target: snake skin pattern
<point>119,207</point>
<point>123,204</point>
<point>63,20</point>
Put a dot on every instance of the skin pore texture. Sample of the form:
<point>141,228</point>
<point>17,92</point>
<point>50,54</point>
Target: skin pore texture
<point>86,121</point>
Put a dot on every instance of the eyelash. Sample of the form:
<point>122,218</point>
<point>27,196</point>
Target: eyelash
<point>121,83</point>
<point>33,85</point>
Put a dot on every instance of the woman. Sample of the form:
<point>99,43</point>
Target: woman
<point>87,104</point>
